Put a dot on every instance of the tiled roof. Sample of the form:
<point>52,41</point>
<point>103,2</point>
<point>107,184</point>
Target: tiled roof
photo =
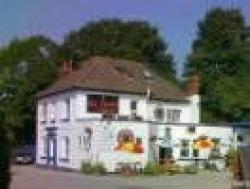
<point>115,75</point>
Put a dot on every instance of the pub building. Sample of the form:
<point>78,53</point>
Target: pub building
<point>115,111</point>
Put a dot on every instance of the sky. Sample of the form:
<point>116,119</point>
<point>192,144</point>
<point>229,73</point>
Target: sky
<point>175,19</point>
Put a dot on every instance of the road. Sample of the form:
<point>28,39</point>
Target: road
<point>29,177</point>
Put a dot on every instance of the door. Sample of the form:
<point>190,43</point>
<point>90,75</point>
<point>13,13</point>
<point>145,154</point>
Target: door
<point>165,154</point>
<point>51,156</point>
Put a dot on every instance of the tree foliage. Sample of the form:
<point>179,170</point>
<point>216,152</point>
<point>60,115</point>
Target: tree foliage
<point>4,156</point>
<point>221,56</point>
<point>27,66</point>
<point>135,40</point>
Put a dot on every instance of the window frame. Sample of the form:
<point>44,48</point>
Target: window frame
<point>171,115</point>
<point>102,103</point>
<point>185,148</point>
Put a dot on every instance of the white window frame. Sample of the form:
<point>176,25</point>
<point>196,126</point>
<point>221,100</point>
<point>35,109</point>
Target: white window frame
<point>65,148</point>
<point>185,148</point>
<point>44,112</point>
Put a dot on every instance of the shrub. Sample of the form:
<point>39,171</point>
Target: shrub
<point>155,169</point>
<point>191,169</point>
<point>171,169</point>
<point>230,158</point>
<point>4,158</point>
<point>210,166</point>
<point>97,168</point>
<point>86,168</point>
<point>152,169</point>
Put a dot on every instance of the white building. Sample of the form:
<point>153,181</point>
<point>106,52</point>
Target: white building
<point>117,111</point>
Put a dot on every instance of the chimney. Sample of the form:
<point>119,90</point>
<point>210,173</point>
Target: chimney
<point>66,68</point>
<point>193,85</point>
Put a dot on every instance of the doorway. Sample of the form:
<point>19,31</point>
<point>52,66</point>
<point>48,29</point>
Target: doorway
<point>51,148</point>
<point>165,154</point>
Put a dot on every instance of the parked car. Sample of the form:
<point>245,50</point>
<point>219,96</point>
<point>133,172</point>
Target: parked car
<point>24,155</point>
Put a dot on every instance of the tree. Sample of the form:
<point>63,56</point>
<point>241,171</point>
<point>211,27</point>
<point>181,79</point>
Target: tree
<point>221,56</point>
<point>134,40</point>
<point>4,156</point>
<point>27,66</point>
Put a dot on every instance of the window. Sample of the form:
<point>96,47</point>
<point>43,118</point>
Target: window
<point>216,149</point>
<point>87,138</point>
<point>44,112</point>
<point>80,141</point>
<point>67,102</point>
<point>184,152</point>
<point>168,133</point>
<point>45,148</point>
<point>52,112</point>
<point>167,137</point>
<point>159,114</point>
<point>65,148</point>
<point>240,138</point>
<point>195,151</point>
<point>173,116</point>
<point>133,105</point>
<point>102,104</point>
<point>191,129</point>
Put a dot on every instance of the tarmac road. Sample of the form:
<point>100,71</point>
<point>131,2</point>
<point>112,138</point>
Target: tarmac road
<point>30,177</point>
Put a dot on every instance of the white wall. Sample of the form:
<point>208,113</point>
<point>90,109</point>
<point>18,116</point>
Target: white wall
<point>80,119</point>
<point>179,132</point>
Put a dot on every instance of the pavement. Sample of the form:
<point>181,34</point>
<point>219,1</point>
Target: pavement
<point>30,177</point>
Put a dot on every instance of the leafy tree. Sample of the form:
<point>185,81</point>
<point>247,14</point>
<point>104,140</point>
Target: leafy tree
<point>27,66</point>
<point>4,156</point>
<point>135,40</point>
<point>221,56</point>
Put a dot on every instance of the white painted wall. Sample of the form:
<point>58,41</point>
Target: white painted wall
<point>104,133</point>
<point>179,132</point>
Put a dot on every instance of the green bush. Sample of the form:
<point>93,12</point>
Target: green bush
<point>4,158</point>
<point>210,166</point>
<point>230,158</point>
<point>171,168</point>
<point>191,169</point>
<point>155,169</point>
<point>152,169</point>
<point>86,168</point>
<point>97,168</point>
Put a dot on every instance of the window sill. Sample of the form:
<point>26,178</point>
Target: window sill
<point>65,160</point>
<point>190,158</point>
<point>65,120</point>
<point>43,157</point>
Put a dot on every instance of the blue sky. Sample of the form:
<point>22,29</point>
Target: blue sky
<point>175,19</point>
